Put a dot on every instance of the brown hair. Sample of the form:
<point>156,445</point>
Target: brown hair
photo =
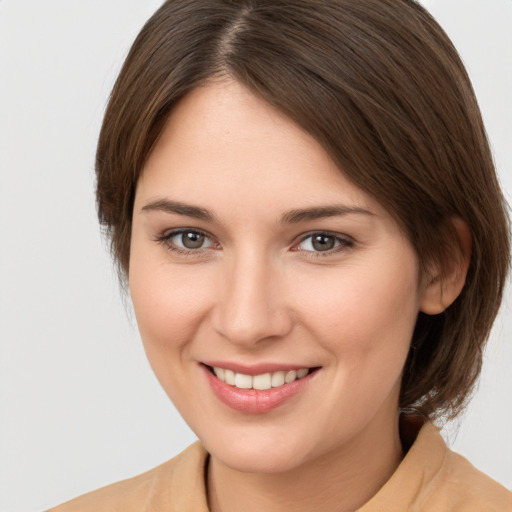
<point>379,84</point>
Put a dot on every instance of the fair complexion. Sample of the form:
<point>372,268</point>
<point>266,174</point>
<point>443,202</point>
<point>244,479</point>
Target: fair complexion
<point>251,251</point>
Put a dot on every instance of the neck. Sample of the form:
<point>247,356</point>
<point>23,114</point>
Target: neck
<point>340,481</point>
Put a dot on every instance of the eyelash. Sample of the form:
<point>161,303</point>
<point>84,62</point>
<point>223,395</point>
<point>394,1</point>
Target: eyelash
<point>165,239</point>
<point>344,243</point>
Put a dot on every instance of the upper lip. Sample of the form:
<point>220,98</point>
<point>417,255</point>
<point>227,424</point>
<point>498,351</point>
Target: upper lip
<point>255,369</point>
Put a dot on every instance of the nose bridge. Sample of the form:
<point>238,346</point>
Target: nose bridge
<point>250,305</point>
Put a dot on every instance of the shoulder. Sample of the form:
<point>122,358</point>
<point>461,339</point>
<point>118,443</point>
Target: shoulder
<point>161,488</point>
<point>466,488</point>
<point>433,478</point>
<point>449,481</point>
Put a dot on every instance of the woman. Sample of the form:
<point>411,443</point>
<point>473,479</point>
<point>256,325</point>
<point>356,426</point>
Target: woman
<point>302,201</point>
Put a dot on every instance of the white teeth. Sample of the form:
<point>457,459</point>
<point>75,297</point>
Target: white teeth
<point>290,376</point>
<point>261,382</point>
<point>302,373</point>
<point>243,381</point>
<point>277,379</point>
<point>229,377</point>
<point>219,372</point>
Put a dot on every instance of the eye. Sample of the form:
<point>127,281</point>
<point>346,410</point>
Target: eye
<point>189,240</point>
<point>323,242</point>
<point>186,240</point>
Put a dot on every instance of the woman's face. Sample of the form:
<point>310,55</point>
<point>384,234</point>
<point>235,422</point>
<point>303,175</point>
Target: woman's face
<point>252,253</point>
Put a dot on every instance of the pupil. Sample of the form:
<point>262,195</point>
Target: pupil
<point>323,242</point>
<point>192,240</point>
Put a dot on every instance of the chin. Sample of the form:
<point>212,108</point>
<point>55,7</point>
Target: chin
<point>259,454</point>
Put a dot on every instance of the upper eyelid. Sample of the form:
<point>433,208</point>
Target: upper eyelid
<point>165,239</point>
<point>346,243</point>
<point>339,236</point>
<point>170,233</point>
<point>166,236</point>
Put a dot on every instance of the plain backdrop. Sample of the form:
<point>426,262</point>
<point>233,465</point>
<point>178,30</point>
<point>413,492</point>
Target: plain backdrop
<point>79,406</point>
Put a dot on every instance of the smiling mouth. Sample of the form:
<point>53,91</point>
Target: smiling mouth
<point>260,392</point>
<point>260,382</point>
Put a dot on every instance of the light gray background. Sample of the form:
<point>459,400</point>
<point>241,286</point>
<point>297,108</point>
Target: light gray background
<point>79,406</point>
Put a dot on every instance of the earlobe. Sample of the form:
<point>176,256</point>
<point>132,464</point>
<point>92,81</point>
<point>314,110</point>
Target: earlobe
<point>444,287</point>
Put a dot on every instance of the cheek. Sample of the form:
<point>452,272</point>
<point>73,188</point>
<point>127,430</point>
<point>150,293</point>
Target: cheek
<point>169,302</point>
<point>169,307</point>
<point>365,321</point>
<point>363,315</point>
<point>163,308</point>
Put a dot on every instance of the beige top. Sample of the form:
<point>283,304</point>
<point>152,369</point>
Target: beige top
<point>430,478</point>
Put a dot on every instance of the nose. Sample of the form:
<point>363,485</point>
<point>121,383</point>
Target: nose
<point>251,305</point>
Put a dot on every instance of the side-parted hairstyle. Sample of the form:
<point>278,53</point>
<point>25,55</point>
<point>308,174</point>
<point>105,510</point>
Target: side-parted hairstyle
<point>380,86</point>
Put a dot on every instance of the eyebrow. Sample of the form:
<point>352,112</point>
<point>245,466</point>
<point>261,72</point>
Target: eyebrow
<point>168,206</point>
<point>320,212</point>
<point>291,217</point>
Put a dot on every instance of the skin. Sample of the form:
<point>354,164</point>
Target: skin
<point>257,291</point>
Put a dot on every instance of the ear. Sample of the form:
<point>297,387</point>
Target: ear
<point>442,289</point>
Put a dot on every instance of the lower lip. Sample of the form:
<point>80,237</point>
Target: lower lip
<point>255,401</point>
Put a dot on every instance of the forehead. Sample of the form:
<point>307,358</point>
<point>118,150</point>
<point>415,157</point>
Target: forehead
<point>223,141</point>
